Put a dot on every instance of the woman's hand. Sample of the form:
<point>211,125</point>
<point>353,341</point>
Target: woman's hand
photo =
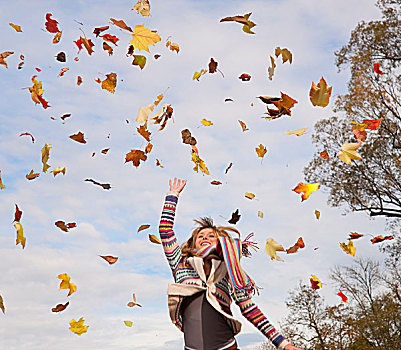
<point>177,186</point>
<point>291,347</point>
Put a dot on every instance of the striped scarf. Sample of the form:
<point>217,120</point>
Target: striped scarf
<point>230,250</point>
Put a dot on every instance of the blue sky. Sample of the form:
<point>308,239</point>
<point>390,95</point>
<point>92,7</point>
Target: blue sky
<point>107,221</point>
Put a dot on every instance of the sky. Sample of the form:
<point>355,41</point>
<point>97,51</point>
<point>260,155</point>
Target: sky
<point>108,220</point>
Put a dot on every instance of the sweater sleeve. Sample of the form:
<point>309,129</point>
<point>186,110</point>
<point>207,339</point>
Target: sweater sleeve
<point>253,314</point>
<point>170,245</point>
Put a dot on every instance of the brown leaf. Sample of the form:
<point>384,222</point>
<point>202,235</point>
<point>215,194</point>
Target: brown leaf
<point>32,175</point>
<point>143,227</point>
<point>135,156</point>
<point>380,238</point>
<point>104,151</point>
<point>105,186</point>
<point>360,135</point>
<point>148,148</point>
<point>121,24</point>
<point>164,117</point>
<point>3,56</point>
<point>214,182</point>
<point>110,82</point>
<point>98,30</point>
<point>144,132</point>
<point>61,57</point>
<point>110,259</point>
<point>243,125</point>
<point>51,24</point>
<point>79,137</point>
<point>65,227</point>
<point>187,137</point>
<point>111,38</point>
<point>60,307</point>
<point>244,77</point>
<point>158,163</point>
<point>28,134</point>
<point>355,235</point>
<point>299,244</point>
<point>108,48</point>
<point>154,239</point>
<point>324,155</point>
<point>212,66</point>
<point>228,168</point>
<point>79,80</point>
<point>17,214</point>
<point>235,217</point>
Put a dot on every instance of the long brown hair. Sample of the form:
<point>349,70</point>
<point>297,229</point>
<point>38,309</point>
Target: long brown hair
<point>187,249</point>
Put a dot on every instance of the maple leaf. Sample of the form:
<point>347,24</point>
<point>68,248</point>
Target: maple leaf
<point>348,152</point>
<point>79,137</point>
<point>243,125</point>
<point>60,307</point>
<point>2,187</point>
<point>66,284</point>
<point>57,37</point>
<point>315,282</point>
<point>120,23</point>
<point>17,214</point>
<point>298,132</point>
<point>317,214</point>
<point>139,60</point>
<point>286,54</point>
<point>272,247</point>
<point>212,66</point>
<point>65,227</point>
<point>376,68</point>
<point>45,157</point>
<point>143,37</point>
<point>58,170</point>
<point>247,24</point>
<point>133,303</point>
<point>344,299</point>
<point>163,115</point>
<point>109,258</point>
<point>78,327</point>
<point>144,132</point>
<point>380,238</point>
<point>299,244</point>
<point>51,24</point>
<point>88,44</point>
<point>235,217</point>
<point>2,307</point>
<point>199,163</point>
<point>37,92</point>
<point>142,7</point>
<point>110,82</point>
<point>271,68</point>
<point>283,104</point>
<point>249,195</point>
<point>261,150</point>
<point>154,239</point>
<point>30,176</point>
<point>206,122</point>
<point>3,56</point>
<point>145,112</point>
<point>135,156</point>
<point>324,155</point>
<point>306,189</point>
<point>372,124</point>
<point>355,235</point>
<point>104,186</point>
<point>143,227</point>
<point>244,77</point>
<point>320,94</point>
<point>16,27</point>
<point>20,234</point>
<point>348,248</point>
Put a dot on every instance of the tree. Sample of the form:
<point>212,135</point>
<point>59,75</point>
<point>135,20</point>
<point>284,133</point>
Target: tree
<point>372,184</point>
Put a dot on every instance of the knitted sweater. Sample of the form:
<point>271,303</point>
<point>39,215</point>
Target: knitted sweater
<point>188,282</point>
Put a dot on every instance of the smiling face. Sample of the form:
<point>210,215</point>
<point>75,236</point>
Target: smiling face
<point>207,236</point>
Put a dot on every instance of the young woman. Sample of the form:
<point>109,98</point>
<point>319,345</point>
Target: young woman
<point>207,276</point>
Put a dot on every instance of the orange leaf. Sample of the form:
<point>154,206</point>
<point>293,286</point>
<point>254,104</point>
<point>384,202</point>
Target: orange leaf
<point>79,80</point>
<point>110,82</point>
<point>355,235</point>
<point>249,195</point>
<point>78,137</point>
<point>121,24</point>
<point>16,27</point>
<point>320,94</point>
<point>2,187</point>
<point>148,148</point>
<point>57,37</point>
<point>324,155</point>
<point>206,122</point>
<point>111,38</point>
<point>135,156</point>
<point>214,182</point>
<point>143,131</point>
<point>380,238</point>
<point>243,126</point>
<point>299,244</point>
<point>360,135</point>
<point>244,77</point>
<point>108,48</point>
<point>143,227</point>
<point>372,124</point>
<point>98,30</point>
<point>65,227</point>
<point>66,284</point>
<point>261,150</point>
<point>158,163</point>
<point>307,189</point>
<point>62,71</point>
<point>31,175</point>
<point>110,259</point>
<point>154,239</point>
<point>344,299</point>
<point>3,56</point>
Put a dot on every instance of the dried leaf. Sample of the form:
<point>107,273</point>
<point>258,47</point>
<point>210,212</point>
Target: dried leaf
<point>228,168</point>
<point>139,60</point>
<point>247,24</point>
<point>283,104</point>
<point>206,122</point>
<point>120,23</point>
<point>324,155</point>
<point>376,68</point>
<point>16,27</point>
<point>65,227</point>
<point>30,176</point>
<point>104,186</point>
<point>148,148</point>
<point>110,259</point>
<point>286,54</point>
<point>163,115</point>
<point>173,46</point>
<point>243,125</point>
<point>2,307</point>
<point>272,247</point>
<point>3,56</point>
<point>108,48</point>
<point>197,75</point>
<point>235,217</point>
<point>355,235</point>
<point>45,157</point>
<point>62,71</point>
<point>79,80</point>
<point>271,68</point>
<point>51,24</point>
<point>58,170</point>
<point>2,187</point>
<point>110,82</point>
<point>320,94</point>
<point>110,38</point>
<point>17,214</point>
<point>380,238</point>
<point>79,137</point>
<point>144,132</point>
<point>297,132</point>
<point>214,182</point>
<point>199,163</point>
<point>260,214</point>
<point>88,44</point>
<point>60,307</point>
<point>135,156</point>
<point>142,7</point>
<point>315,282</point>
<point>57,37</point>
<point>360,135</point>
<point>348,152</point>
<point>212,66</point>
<point>99,30</point>
<point>317,214</point>
<point>187,137</point>
<point>244,77</point>
<point>306,189</point>
<point>299,244</point>
<point>20,234</point>
<point>249,195</point>
<point>66,284</point>
<point>348,248</point>
<point>128,323</point>
<point>143,227</point>
<point>143,37</point>
<point>344,299</point>
<point>154,239</point>
<point>61,57</point>
<point>261,150</point>
<point>78,327</point>
<point>158,163</point>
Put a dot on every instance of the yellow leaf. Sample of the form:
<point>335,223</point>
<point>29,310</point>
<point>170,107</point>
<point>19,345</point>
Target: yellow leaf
<point>297,132</point>
<point>316,284</point>
<point>243,125</point>
<point>272,247</point>
<point>128,323</point>
<point>2,187</point>
<point>110,82</point>
<point>348,248</point>
<point>20,234</point>
<point>142,7</point>
<point>286,54</point>
<point>261,150</point>
<point>270,70</point>
<point>16,27</point>
<point>249,195</point>
<point>307,189</point>
<point>66,284</point>
<point>58,170</point>
<point>348,152</point>
<point>3,56</point>
<point>57,37</point>
<point>320,94</point>
<point>199,163</point>
<point>143,37</point>
<point>144,113</point>
<point>317,214</point>
<point>45,157</point>
<point>140,61</point>
<point>206,122</point>
<point>197,75</point>
<point>158,99</point>
<point>78,327</point>
<point>154,239</point>
<point>260,214</point>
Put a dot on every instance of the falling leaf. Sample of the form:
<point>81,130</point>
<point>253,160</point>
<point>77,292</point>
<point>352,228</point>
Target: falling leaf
<point>28,134</point>
<point>320,94</point>
<point>249,195</point>
<point>133,303</point>
<point>306,189</point>
<point>355,235</point>
<point>20,234</point>
<point>272,247</point>
<point>109,258</point>
<point>348,248</point>
<point>58,170</point>
<point>315,282</point>
<point>228,168</point>
<point>51,24</point>
<point>261,150</point>
<point>142,7</point>
<point>104,186</point>
<point>135,156</point>
<point>128,323</point>
<point>143,37</point>
<point>344,299</point>
<point>110,82</point>
<point>110,38</point>
<point>121,24</point>
<point>2,307</point>
<point>174,47</point>
<point>61,57</point>
<point>64,116</point>
<point>108,48</point>
<point>283,104</point>
<point>99,30</point>
<point>228,100</point>
<point>139,60</point>
<point>60,307</point>
<point>243,125</point>
<point>62,71</point>
<point>244,77</point>
<point>57,37</point>
<point>78,327</point>
<point>235,217</point>
<point>212,66</point>
<point>247,24</point>
<point>148,148</point>
<point>348,152</point>
<point>163,115</point>
<point>206,122</point>
<point>360,135</point>
<point>214,182</point>
<point>66,284</point>
<point>2,187</point>
<point>144,112</point>
<point>158,163</point>
<point>260,214</point>
<point>45,157</point>
<point>79,137</point>
<point>297,132</point>
<point>324,155</point>
<point>144,132</point>
<point>3,56</point>
<point>187,137</point>
<point>143,227</point>
<point>31,175</point>
<point>154,239</point>
<point>104,151</point>
<point>79,80</point>
<point>299,244</point>
<point>16,27</point>
<point>197,75</point>
<point>65,227</point>
<point>271,68</point>
<point>17,214</point>
<point>286,54</point>
<point>199,163</point>
<point>376,68</point>
<point>88,44</point>
<point>380,238</point>
<point>37,92</point>
<point>156,56</point>
<point>372,124</point>
<point>317,214</point>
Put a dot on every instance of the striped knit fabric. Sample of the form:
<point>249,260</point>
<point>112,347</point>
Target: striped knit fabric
<point>185,274</point>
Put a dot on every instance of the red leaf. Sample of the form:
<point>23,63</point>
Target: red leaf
<point>355,235</point>
<point>18,214</point>
<point>380,238</point>
<point>51,24</point>
<point>344,299</point>
<point>376,68</point>
<point>244,77</point>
